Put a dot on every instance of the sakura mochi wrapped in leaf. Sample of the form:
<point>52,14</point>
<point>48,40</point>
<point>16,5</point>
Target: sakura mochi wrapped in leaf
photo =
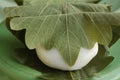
<point>64,33</point>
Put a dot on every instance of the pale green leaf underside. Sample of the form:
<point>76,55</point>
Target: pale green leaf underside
<point>39,2</point>
<point>52,9</point>
<point>67,26</point>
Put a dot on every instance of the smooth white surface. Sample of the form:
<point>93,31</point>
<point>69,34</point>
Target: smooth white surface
<point>52,58</point>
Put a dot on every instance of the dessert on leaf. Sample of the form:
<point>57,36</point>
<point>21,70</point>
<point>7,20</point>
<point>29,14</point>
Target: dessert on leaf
<point>66,34</point>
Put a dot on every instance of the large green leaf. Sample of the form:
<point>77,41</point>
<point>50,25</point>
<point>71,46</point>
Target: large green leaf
<point>71,26</point>
<point>39,2</point>
<point>53,9</point>
<point>3,4</point>
<point>3,76</point>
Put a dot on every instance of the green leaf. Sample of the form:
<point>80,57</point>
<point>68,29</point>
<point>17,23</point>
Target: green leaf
<point>39,2</point>
<point>91,23</point>
<point>8,65</point>
<point>3,76</point>
<point>53,9</point>
<point>3,4</point>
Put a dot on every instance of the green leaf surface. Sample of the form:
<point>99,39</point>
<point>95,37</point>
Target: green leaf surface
<point>65,26</point>
<point>3,4</point>
<point>53,9</point>
<point>39,2</point>
<point>8,65</point>
<point>3,76</point>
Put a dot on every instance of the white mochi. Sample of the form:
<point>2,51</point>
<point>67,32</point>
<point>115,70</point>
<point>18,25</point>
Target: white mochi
<point>53,58</point>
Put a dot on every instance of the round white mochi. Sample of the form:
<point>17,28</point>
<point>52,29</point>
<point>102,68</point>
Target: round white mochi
<point>53,58</point>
